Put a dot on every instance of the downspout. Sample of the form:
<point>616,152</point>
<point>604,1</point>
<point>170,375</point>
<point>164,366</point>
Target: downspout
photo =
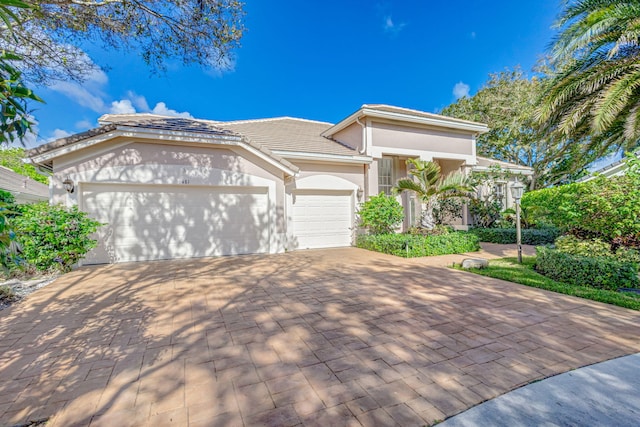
<point>362,151</point>
<point>364,136</point>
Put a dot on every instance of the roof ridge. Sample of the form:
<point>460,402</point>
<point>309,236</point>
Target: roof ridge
<point>271,119</point>
<point>413,110</point>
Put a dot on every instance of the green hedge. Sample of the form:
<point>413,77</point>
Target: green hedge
<point>597,272</point>
<point>411,246</point>
<point>530,236</point>
<point>596,248</point>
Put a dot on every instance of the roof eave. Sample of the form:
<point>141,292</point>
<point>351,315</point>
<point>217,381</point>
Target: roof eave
<point>165,135</point>
<point>320,157</point>
<point>441,121</point>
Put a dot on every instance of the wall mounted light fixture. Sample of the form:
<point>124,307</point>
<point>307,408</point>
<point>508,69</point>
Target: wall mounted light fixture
<point>68,185</point>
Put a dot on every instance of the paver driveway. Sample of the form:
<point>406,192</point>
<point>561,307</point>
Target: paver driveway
<point>332,337</point>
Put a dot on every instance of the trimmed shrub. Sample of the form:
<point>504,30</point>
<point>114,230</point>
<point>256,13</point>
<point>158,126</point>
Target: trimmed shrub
<point>411,246</point>
<point>6,197</point>
<point>597,272</point>
<point>608,208</point>
<point>381,214</point>
<point>595,248</point>
<point>53,236</point>
<point>506,236</point>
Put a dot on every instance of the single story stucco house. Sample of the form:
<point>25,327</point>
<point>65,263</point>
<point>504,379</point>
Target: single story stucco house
<point>172,187</point>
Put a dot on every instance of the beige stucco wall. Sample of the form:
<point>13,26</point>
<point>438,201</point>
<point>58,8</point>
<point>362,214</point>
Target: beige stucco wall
<point>143,162</point>
<point>351,136</point>
<point>404,137</point>
<point>139,162</point>
<point>353,173</point>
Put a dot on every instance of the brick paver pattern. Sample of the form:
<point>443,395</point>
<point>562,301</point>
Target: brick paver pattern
<point>316,338</point>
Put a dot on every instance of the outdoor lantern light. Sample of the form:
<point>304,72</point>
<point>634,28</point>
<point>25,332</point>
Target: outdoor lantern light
<point>516,191</point>
<point>68,185</point>
<point>359,193</point>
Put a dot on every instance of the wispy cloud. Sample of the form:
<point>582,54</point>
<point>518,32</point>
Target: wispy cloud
<point>391,27</point>
<point>57,134</point>
<point>84,125</point>
<point>89,94</point>
<point>472,34</point>
<point>460,90</point>
<point>138,101</point>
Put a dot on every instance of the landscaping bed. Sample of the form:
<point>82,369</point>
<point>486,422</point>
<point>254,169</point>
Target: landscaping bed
<point>412,246</point>
<point>525,274</point>
<point>13,290</point>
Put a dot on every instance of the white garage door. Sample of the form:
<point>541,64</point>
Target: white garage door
<point>322,219</point>
<point>150,222</point>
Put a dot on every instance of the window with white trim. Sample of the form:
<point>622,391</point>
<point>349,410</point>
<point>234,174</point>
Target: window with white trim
<point>385,175</point>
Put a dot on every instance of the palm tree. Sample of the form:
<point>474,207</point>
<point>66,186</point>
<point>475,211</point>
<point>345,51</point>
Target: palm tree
<point>430,186</point>
<point>594,94</point>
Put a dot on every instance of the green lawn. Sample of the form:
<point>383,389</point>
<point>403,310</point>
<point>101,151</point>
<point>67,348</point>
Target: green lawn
<point>524,274</point>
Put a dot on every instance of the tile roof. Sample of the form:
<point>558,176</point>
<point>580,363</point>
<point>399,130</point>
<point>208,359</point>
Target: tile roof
<point>290,134</point>
<point>111,122</point>
<point>146,121</point>
<point>16,183</point>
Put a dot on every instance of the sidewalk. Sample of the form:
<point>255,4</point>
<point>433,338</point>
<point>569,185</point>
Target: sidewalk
<point>604,394</point>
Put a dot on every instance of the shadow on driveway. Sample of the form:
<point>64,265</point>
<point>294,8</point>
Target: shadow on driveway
<point>325,337</point>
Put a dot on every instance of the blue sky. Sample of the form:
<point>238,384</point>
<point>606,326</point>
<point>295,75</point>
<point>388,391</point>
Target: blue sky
<point>319,60</point>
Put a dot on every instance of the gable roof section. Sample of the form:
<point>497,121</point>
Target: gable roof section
<point>168,128</point>
<point>290,135</point>
<point>407,115</point>
<point>16,183</point>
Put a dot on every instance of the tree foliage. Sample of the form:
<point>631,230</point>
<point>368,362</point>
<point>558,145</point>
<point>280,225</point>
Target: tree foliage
<point>15,120</point>
<point>200,32</point>
<point>12,158</point>
<point>506,103</point>
<point>594,94</point>
<point>430,185</point>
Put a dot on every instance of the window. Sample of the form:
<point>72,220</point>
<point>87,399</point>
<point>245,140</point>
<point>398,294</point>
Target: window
<point>385,175</point>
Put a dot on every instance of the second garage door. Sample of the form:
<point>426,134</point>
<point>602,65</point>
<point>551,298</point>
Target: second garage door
<point>150,222</point>
<point>322,219</point>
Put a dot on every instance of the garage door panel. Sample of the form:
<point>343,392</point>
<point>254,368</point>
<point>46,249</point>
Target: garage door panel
<point>153,222</point>
<point>322,219</point>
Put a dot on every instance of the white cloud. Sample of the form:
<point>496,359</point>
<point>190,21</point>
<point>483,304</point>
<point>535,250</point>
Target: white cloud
<point>162,109</point>
<point>138,101</point>
<point>460,90</point>
<point>57,134</point>
<point>391,27</point>
<point>89,93</point>
<point>123,106</point>
<point>138,104</point>
<point>84,125</point>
